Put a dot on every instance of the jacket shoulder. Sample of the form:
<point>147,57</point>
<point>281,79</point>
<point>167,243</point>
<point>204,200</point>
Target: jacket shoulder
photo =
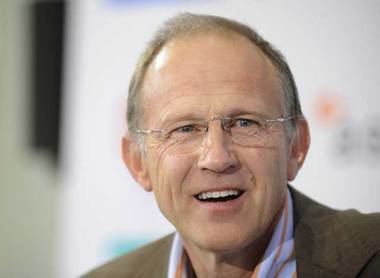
<point>343,242</point>
<point>327,222</point>
<point>143,262</point>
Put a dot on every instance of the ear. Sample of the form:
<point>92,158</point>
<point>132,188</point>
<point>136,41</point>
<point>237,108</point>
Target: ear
<point>134,160</point>
<point>299,145</point>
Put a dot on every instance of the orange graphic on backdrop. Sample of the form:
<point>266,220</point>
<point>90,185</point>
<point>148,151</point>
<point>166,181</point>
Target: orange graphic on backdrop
<point>329,108</point>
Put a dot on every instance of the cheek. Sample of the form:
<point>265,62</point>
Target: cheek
<point>267,171</point>
<point>266,163</point>
<point>160,166</point>
<point>168,174</point>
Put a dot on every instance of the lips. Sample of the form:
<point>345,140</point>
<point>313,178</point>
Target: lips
<point>219,196</point>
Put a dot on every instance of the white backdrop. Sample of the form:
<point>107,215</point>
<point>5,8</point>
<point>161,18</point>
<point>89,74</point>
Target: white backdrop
<point>332,48</point>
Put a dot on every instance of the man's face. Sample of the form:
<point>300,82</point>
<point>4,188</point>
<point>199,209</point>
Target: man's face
<point>206,77</point>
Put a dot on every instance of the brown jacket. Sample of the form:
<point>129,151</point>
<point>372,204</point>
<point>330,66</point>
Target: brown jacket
<point>329,244</point>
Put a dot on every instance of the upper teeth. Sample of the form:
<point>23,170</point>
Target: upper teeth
<point>217,194</point>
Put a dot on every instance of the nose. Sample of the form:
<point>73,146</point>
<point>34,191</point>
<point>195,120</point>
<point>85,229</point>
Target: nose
<point>217,154</point>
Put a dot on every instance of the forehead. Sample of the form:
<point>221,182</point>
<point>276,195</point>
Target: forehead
<point>205,69</point>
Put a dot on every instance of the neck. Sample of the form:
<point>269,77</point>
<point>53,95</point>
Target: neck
<point>241,262</point>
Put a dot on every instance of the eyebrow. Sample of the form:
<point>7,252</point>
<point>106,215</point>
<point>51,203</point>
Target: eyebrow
<point>187,116</point>
<point>191,116</point>
<point>241,112</point>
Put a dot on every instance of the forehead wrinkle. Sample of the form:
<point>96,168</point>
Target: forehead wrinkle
<point>189,86</point>
<point>203,111</point>
<point>198,81</point>
<point>189,89</point>
<point>201,107</point>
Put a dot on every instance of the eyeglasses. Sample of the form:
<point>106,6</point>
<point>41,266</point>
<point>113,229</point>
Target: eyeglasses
<point>245,130</point>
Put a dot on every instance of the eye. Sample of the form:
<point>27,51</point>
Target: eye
<point>185,132</point>
<point>244,123</point>
<point>185,129</point>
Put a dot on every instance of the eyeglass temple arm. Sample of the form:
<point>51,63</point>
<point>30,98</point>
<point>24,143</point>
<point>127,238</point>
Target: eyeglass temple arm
<point>148,131</point>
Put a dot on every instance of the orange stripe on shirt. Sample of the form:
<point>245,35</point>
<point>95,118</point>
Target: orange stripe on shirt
<point>181,266</point>
<point>288,259</point>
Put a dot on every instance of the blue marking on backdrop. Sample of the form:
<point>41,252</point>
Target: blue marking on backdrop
<point>118,246</point>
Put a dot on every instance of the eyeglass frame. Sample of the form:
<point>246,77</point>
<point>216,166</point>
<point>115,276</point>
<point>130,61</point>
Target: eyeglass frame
<point>225,124</point>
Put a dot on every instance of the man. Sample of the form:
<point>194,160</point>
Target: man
<point>216,132</point>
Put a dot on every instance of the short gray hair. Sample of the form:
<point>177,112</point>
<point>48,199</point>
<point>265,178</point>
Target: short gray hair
<point>187,24</point>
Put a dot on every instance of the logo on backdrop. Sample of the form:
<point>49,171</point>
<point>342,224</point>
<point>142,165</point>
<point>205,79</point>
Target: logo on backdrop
<point>353,139</point>
<point>358,141</point>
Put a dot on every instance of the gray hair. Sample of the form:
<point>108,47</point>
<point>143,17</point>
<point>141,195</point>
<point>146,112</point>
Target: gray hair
<point>187,24</point>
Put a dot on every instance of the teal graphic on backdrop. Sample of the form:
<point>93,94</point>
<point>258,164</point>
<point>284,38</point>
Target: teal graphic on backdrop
<point>118,246</point>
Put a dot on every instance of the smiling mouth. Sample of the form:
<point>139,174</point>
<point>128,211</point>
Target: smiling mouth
<point>219,196</point>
